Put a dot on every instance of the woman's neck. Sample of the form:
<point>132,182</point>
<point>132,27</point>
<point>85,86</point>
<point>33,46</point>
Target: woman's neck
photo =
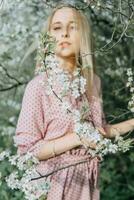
<point>68,64</point>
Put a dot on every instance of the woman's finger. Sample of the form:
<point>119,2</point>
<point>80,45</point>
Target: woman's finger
<point>101,130</point>
<point>88,143</point>
<point>85,141</point>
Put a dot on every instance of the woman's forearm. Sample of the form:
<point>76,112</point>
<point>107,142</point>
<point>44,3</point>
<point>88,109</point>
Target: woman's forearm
<point>120,128</point>
<point>62,144</point>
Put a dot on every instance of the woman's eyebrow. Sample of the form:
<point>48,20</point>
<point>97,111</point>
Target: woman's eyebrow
<point>56,23</point>
<point>61,22</point>
<point>72,22</point>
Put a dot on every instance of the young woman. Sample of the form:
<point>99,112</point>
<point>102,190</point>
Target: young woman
<point>47,131</point>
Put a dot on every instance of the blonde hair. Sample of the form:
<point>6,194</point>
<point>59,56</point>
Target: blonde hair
<point>85,59</point>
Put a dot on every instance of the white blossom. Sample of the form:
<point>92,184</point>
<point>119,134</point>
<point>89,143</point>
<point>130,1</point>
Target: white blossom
<point>12,180</point>
<point>76,115</point>
<point>132,109</point>
<point>4,154</point>
<point>13,159</point>
<point>129,72</point>
<point>130,85</point>
<point>130,79</point>
<point>132,89</point>
<point>22,161</point>
<point>83,83</point>
<point>113,148</point>
<point>66,105</point>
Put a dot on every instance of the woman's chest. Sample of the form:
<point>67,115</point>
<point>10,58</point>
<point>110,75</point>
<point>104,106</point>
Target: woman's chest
<point>58,120</point>
<point>62,112</point>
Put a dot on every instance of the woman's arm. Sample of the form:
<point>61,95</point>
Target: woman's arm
<point>111,130</point>
<point>62,144</point>
<point>119,128</point>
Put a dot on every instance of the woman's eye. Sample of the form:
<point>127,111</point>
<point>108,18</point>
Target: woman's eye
<point>73,27</point>
<point>56,28</point>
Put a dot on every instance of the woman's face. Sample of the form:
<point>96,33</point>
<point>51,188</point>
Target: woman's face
<point>64,28</point>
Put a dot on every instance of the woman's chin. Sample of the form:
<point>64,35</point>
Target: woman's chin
<point>65,53</point>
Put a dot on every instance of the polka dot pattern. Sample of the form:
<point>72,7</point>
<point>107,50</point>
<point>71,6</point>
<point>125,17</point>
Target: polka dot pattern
<point>41,118</point>
<point>78,182</point>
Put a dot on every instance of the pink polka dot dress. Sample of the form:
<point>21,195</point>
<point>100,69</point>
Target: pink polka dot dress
<point>41,118</point>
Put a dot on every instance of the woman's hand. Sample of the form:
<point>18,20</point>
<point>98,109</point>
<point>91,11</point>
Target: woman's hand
<point>82,141</point>
<point>102,131</point>
<point>88,143</point>
<point>119,129</point>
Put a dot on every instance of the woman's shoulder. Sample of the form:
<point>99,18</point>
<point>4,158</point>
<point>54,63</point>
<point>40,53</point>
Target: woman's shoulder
<point>36,83</point>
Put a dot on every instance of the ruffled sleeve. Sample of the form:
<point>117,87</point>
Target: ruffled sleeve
<point>31,128</point>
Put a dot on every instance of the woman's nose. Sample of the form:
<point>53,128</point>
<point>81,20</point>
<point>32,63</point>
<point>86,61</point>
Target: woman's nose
<point>65,33</point>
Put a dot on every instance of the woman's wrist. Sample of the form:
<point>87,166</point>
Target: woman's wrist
<point>77,139</point>
<point>122,128</point>
<point>132,123</point>
<point>53,148</point>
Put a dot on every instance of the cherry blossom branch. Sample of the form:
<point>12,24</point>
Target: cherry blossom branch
<point>54,171</point>
<point>12,87</point>
<point>3,89</point>
<point>9,75</point>
<point>119,116</point>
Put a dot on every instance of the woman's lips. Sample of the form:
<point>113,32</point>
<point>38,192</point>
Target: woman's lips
<point>65,44</point>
